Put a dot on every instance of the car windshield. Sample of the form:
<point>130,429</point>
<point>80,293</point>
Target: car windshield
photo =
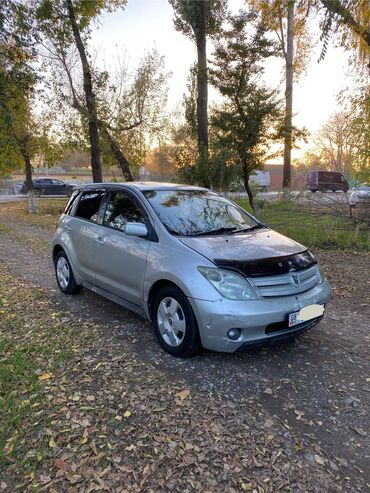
<point>198,212</point>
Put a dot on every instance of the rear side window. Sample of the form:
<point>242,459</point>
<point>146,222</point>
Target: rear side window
<point>89,204</point>
<point>330,177</point>
<point>121,209</point>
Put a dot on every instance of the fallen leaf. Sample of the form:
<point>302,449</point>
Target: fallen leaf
<point>127,414</point>
<point>268,391</point>
<point>320,460</point>
<point>61,464</point>
<point>45,376</point>
<point>52,443</point>
<point>183,394</point>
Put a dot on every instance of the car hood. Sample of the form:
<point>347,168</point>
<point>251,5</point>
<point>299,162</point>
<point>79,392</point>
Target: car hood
<point>257,245</point>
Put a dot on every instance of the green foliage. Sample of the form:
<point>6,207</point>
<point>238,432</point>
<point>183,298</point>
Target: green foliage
<point>250,118</point>
<point>196,18</point>
<point>22,135</point>
<point>53,20</point>
<point>189,100</point>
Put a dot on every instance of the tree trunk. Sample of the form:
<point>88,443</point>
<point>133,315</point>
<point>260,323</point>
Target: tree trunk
<point>117,154</point>
<point>202,104</point>
<point>288,97</point>
<point>32,206</point>
<point>247,187</point>
<point>89,96</point>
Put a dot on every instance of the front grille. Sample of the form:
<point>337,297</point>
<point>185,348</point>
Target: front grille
<point>284,325</point>
<point>286,284</point>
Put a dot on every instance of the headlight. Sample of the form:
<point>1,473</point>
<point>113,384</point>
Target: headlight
<point>230,284</point>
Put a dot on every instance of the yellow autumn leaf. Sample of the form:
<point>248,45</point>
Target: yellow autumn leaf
<point>52,443</point>
<point>127,414</point>
<point>84,439</point>
<point>45,376</point>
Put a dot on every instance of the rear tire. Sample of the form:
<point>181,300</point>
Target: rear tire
<point>65,279</point>
<point>175,324</point>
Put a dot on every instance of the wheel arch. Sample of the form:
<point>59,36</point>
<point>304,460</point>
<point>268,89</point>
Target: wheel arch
<point>56,249</point>
<point>154,289</point>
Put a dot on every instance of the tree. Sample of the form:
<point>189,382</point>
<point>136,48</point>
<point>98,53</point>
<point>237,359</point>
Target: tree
<point>65,23</point>
<point>352,19</point>
<point>17,83</point>
<point>287,19</point>
<point>130,105</point>
<point>25,138</point>
<point>343,143</point>
<point>199,19</point>
<point>251,114</point>
<point>131,109</point>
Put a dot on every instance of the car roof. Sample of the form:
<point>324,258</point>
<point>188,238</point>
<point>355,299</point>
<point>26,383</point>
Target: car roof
<point>142,186</point>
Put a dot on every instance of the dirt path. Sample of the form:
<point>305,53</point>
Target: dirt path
<point>317,387</point>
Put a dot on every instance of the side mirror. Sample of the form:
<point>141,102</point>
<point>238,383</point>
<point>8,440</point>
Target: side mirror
<point>136,229</point>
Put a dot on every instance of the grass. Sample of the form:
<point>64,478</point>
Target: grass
<point>323,230</point>
<point>47,216</point>
<point>34,346</point>
<point>297,221</point>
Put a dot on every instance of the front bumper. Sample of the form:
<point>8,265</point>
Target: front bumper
<point>261,321</point>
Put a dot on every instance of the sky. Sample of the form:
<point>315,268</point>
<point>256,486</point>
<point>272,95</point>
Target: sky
<point>147,24</point>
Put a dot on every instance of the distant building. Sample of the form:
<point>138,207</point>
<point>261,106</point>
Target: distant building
<point>276,174</point>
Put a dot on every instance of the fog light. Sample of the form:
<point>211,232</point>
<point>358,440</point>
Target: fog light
<point>233,334</point>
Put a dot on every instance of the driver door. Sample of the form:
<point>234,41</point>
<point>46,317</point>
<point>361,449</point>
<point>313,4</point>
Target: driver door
<point>120,258</point>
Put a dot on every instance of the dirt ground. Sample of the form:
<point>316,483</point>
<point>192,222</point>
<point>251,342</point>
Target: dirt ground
<point>289,417</point>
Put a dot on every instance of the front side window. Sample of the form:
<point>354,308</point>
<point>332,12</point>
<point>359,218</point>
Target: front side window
<point>88,206</point>
<point>197,212</point>
<point>121,209</point>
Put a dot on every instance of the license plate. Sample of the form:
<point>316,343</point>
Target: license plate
<point>294,319</point>
<point>307,313</point>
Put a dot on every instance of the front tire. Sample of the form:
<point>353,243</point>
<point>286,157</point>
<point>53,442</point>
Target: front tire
<point>175,324</point>
<point>65,279</point>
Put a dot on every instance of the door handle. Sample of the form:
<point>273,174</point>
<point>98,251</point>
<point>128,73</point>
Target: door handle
<point>100,240</point>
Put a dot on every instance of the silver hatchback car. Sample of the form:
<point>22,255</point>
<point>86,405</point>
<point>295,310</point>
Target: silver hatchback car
<point>203,270</point>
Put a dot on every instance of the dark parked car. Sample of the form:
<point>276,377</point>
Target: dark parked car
<point>324,181</point>
<point>49,186</point>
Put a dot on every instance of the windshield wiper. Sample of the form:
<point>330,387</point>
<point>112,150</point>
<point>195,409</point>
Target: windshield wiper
<point>214,231</point>
<point>245,230</point>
